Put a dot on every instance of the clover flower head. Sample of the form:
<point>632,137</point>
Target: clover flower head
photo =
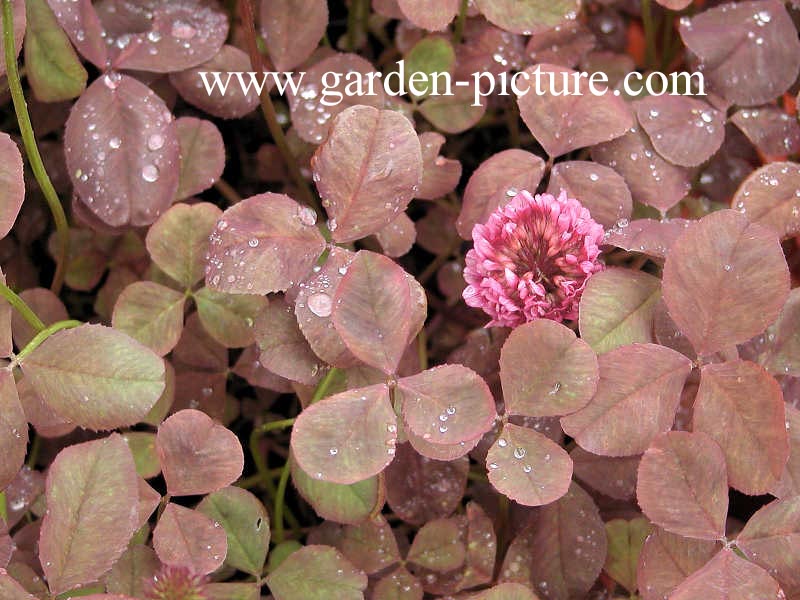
<point>532,259</point>
<point>176,583</point>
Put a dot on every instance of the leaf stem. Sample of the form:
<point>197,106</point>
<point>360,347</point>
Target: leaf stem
<point>31,149</point>
<point>458,32</point>
<point>268,108</point>
<point>323,385</point>
<point>3,507</point>
<point>23,309</point>
<point>283,482</point>
<point>227,191</point>
<point>43,335</point>
<point>649,34</point>
<point>273,425</point>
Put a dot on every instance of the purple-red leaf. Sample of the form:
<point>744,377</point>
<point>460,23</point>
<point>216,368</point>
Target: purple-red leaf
<point>651,179</point>
<point>292,29</point>
<point>769,196</point>
<point>599,188</point>
<point>233,103</point>
<point>546,370</point>
<point>446,405</point>
<point>648,236</point>
<point>13,430</point>
<point>636,399</point>
<point>92,512</point>
<point>683,130</point>
<point>740,406</point>
<point>433,15</point>
<point>367,171</point>
<point>725,280</point>
<point>189,539</point>
<point>326,450</point>
<point>419,489</point>
<point>667,559</point>
<point>202,155</point>
<point>683,485</point>
<point>316,104</point>
<point>757,39</point>
<point>198,456</point>
<point>440,175</point>
<point>770,539</point>
<point>82,24</point>
<point>11,182</point>
<point>773,131</point>
<point>562,123</point>
<point>122,151</point>
<point>613,476</point>
<point>438,546</point>
<point>372,310</point>
<point>528,467</point>
<point>561,549</point>
<point>263,244</point>
<point>494,183</point>
<point>727,576</point>
<point>283,349</point>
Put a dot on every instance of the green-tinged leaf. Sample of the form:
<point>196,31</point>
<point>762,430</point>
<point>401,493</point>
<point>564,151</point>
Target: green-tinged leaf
<point>132,571</point>
<point>281,552</point>
<point>317,573</point>
<point>54,70</point>
<point>246,524</point>
<point>229,318</point>
<point>178,240</point>
<point>438,546</point>
<point>625,541</point>
<point>526,16</point>
<point>231,591</point>
<point>188,538</point>
<point>398,585</point>
<point>92,509</point>
<point>617,308</point>
<point>143,448</point>
<point>348,504</point>
<point>150,313</point>
<point>96,377</point>
<point>506,591</point>
<point>430,56</point>
<point>202,156</point>
<point>11,590</point>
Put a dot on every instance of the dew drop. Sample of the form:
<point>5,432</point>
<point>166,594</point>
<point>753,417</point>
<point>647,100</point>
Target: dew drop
<point>320,304</point>
<point>155,142</point>
<point>150,173</point>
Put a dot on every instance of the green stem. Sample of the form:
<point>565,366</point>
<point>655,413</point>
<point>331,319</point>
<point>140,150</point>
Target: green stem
<point>43,335</point>
<point>273,425</point>
<point>277,532</point>
<point>227,191</point>
<point>649,34</point>
<point>458,33</point>
<point>3,508</point>
<point>33,455</point>
<point>268,108</point>
<point>31,149</point>
<point>357,18</point>
<point>322,387</point>
<point>23,309</point>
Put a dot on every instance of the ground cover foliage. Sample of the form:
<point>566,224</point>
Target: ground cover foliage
<point>401,347</point>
